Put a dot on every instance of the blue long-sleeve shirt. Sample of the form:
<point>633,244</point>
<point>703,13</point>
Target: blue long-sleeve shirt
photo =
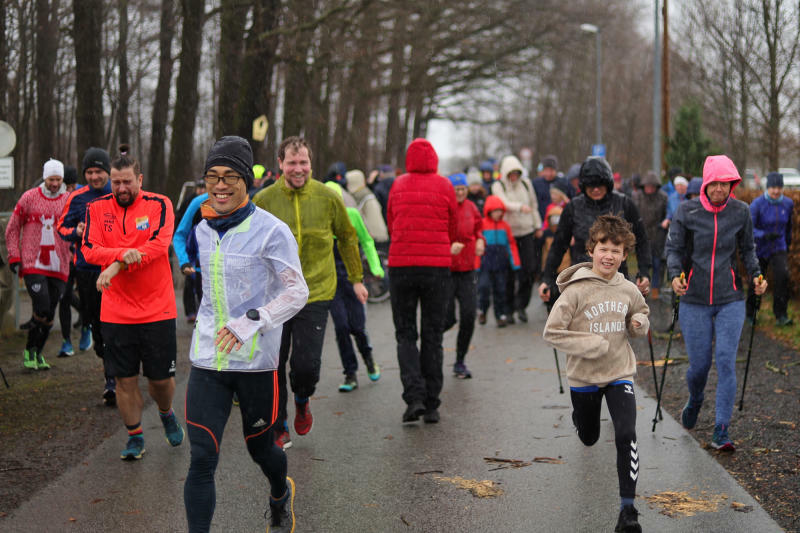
<point>184,229</point>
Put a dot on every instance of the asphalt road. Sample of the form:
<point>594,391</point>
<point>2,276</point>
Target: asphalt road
<point>360,469</point>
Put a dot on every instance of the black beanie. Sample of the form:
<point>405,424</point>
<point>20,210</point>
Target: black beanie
<point>774,179</point>
<point>70,175</point>
<point>234,152</point>
<point>96,158</point>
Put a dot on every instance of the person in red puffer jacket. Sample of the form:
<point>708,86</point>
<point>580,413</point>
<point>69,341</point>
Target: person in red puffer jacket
<point>421,218</point>
<point>463,281</point>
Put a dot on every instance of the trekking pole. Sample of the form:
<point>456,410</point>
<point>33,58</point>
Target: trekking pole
<point>666,356</point>
<point>653,365</point>
<point>750,348</point>
<point>558,371</point>
<point>4,378</point>
<point>549,306</point>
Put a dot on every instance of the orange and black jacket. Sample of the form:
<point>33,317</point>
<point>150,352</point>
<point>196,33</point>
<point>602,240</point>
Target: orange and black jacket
<point>141,293</point>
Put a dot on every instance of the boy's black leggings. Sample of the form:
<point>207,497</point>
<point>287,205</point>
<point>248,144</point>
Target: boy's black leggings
<point>621,402</point>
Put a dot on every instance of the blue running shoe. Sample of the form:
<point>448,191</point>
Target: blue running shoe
<point>373,370</point>
<point>86,341</point>
<point>720,441</point>
<point>281,519</point>
<point>689,415</point>
<point>172,429</point>
<point>66,349</point>
<point>134,450</point>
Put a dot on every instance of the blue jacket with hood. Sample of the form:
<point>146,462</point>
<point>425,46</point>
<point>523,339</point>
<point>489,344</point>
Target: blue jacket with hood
<point>772,224</point>
<point>703,239</point>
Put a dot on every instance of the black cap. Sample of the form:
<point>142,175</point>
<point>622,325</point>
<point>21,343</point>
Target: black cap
<point>550,161</point>
<point>96,158</point>
<point>70,175</point>
<point>234,152</point>
<point>774,179</point>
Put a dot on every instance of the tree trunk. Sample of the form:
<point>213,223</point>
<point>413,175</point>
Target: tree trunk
<point>183,122</point>
<point>254,93</point>
<point>3,61</point>
<point>234,16</point>
<point>123,98</point>
<point>297,75</point>
<point>88,29</point>
<point>157,168</point>
<point>46,51</point>
<point>393,138</point>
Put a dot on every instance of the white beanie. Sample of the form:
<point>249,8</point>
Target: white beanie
<point>53,167</point>
<point>680,180</point>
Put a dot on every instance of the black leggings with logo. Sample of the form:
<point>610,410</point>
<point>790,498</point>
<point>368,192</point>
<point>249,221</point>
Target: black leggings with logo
<point>621,402</point>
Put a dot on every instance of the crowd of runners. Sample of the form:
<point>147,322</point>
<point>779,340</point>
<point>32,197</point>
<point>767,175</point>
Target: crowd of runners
<point>267,255</point>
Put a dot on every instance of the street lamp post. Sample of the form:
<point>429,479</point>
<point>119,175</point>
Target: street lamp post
<point>591,28</point>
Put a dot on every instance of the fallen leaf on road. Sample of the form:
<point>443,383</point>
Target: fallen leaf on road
<point>338,413</point>
<point>479,489</point>
<point>388,437</point>
<point>788,423</point>
<point>98,500</point>
<point>675,504</point>
<point>509,361</point>
<point>73,519</point>
<point>742,508</point>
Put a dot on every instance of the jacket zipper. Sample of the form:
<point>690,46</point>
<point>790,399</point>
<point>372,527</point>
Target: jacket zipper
<point>733,277</point>
<point>297,220</point>
<point>124,214</point>
<point>713,258</point>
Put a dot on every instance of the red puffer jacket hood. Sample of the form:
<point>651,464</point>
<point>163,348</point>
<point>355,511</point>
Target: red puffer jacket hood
<point>421,158</point>
<point>493,202</point>
<point>718,168</point>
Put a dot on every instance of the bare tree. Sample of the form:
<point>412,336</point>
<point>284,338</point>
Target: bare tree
<point>157,168</point>
<point>87,30</point>
<point>123,97</point>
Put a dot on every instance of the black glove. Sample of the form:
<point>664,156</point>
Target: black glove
<point>772,236</point>
<point>13,267</point>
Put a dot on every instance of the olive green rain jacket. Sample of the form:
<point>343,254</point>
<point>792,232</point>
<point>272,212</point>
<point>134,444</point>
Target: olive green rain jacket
<point>315,214</point>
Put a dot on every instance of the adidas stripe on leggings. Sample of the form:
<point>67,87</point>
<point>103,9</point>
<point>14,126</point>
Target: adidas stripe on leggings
<point>621,402</point>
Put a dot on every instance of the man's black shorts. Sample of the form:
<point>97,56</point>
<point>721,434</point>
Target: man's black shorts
<point>151,347</point>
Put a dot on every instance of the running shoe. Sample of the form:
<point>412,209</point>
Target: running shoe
<point>302,417</point>
<point>41,364</point>
<point>172,429</point>
<point>66,349</point>
<point>134,450</point>
<point>29,359</point>
<point>281,519</point>
<point>86,341</point>
<point>522,315</point>
<point>373,370</point>
<point>481,317</point>
<point>689,415</point>
<point>461,371</point>
<point>413,412</point>
<point>784,321</point>
<point>235,399</point>
<point>510,320</point>
<point>431,416</point>
<point>502,320</point>
<point>350,384</point>
<point>628,522</point>
<point>110,393</point>
<point>721,441</point>
<point>283,440</point>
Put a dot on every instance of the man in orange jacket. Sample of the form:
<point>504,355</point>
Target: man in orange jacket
<point>128,234</point>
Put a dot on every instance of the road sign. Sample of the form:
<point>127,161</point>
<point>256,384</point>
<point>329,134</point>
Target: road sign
<point>599,149</point>
<point>6,172</point>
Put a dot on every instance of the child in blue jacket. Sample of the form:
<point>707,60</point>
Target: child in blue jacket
<point>501,251</point>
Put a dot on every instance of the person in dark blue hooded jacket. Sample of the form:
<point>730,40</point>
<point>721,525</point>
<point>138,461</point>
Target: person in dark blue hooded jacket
<point>772,230</point>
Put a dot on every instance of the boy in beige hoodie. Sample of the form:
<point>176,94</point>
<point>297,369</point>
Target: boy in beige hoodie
<point>591,321</point>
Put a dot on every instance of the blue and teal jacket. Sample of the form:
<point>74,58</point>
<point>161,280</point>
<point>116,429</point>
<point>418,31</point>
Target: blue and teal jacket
<point>501,248</point>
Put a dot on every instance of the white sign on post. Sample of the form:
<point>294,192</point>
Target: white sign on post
<point>6,172</point>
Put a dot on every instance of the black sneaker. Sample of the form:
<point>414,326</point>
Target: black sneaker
<point>109,397</point>
<point>522,315</point>
<point>510,320</point>
<point>281,519</point>
<point>627,521</point>
<point>350,383</point>
<point>413,412</point>
<point>431,416</point>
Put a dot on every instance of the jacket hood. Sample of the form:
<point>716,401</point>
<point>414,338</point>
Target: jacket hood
<point>421,158</point>
<point>595,169</point>
<point>493,202</point>
<point>578,273</point>
<point>718,168</point>
<point>509,164</point>
<point>355,180</point>
<point>694,186</point>
<point>650,179</point>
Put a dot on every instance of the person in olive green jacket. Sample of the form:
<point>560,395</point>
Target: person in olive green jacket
<point>316,215</point>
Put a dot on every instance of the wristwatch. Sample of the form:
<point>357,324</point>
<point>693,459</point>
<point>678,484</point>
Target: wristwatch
<point>253,314</point>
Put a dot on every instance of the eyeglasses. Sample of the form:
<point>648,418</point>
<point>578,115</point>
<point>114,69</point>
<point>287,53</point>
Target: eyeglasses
<point>228,179</point>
